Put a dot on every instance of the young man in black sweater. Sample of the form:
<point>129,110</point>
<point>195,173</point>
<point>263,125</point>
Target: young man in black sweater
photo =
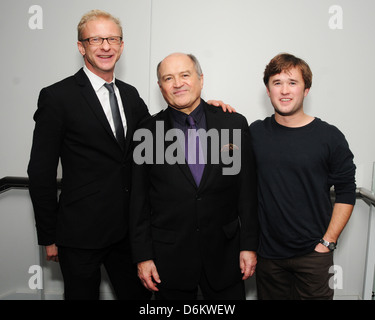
<point>299,158</point>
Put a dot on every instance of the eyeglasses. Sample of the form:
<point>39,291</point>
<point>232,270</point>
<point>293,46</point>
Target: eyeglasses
<point>97,41</point>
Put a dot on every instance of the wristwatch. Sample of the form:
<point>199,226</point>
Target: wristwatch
<point>330,245</point>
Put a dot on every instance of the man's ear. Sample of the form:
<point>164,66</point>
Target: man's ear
<point>81,48</point>
<point>268,91</point>
<point>122,46</point>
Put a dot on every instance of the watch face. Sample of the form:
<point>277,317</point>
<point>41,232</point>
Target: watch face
<point>332,246</point>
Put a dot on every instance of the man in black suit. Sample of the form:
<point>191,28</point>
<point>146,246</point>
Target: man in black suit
<point>88,225</point>
<point>189,231</point>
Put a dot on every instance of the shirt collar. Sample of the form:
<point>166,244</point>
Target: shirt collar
<point>95,80</point>
<point>180,117</point>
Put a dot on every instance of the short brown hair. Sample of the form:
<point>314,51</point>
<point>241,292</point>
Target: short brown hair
<point>94,15</point>
<point>284,62</point>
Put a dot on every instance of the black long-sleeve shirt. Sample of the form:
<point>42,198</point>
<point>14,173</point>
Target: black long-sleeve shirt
<point>296,169</point>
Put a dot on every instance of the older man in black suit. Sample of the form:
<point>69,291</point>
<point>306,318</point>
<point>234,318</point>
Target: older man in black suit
<point>193,226</point>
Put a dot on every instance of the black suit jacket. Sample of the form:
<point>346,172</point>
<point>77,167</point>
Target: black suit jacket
<point>186,229</point>
<point>70,124</point>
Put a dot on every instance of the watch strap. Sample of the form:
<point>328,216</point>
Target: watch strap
<point>330,245</point>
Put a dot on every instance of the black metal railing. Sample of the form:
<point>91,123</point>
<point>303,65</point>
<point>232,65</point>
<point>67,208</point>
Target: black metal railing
<point>8,183</point>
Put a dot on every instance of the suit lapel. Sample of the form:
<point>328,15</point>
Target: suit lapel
<point>210,113</point>
<point>128,115</point>
<point>92,100</point>
<point>212,123</point>
<point>166,117</point>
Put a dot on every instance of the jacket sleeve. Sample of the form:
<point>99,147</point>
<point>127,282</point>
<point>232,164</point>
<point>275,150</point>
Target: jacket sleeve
<point>42,168</point>
<point>248,201</point>
<point>140,212</point>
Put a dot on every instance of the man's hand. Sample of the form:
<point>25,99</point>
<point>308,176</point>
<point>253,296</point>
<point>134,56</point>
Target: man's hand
<point>149,275</point>
<point>248,261</point>
<point>322,249</point>
<point>224,106</point>
<point>52,253</point>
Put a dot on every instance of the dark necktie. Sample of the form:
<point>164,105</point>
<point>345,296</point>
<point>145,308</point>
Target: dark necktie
<point>193,150</point>
<point>119,128</point>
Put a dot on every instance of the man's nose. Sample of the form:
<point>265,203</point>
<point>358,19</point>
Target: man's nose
<point>284,89</point>
<point>177,82</point>
<point>105,45</point>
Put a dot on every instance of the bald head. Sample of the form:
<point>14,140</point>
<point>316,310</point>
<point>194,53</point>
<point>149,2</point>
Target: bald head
<point>195,61</point>
<point>180,81</point>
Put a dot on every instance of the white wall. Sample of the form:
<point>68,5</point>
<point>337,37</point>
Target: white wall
<point>233,39</point>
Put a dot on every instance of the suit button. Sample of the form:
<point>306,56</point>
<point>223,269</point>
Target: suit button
<point>197,230</point>
<point>198,197</point>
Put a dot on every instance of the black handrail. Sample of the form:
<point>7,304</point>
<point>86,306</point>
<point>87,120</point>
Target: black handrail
<point>8,183</point>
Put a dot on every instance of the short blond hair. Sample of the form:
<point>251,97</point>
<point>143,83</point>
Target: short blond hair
<point>94,15</point>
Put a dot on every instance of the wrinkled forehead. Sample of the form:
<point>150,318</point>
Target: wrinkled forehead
<point>177,63</point>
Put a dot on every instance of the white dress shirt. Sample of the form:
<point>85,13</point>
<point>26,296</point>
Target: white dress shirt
<point>103,96</point>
